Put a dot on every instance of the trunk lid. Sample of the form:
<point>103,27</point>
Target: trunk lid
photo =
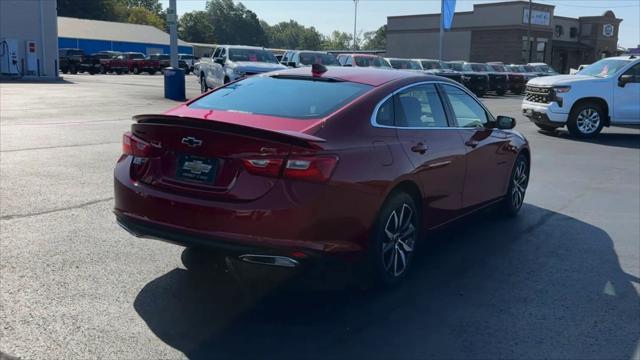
<point>204,157</point>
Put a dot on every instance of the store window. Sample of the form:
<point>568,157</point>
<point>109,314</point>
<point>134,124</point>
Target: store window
<point>559,31</point>
<point>573,32</point>
<point>541,47</point>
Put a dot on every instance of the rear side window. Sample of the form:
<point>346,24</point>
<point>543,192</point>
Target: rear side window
<point>420,107</point>
<point>282,97</point>
<point>385,114</point>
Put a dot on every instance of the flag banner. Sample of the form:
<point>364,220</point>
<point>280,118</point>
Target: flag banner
<point>448,10</point>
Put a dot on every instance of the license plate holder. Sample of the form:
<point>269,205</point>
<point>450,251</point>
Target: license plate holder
<point>196,168</point>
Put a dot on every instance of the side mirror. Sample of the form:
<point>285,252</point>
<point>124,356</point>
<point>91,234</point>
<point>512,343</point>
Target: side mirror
<point>291,64</point>
<point>219,60</point>
<point>505,122</point>
<point>624,79</point>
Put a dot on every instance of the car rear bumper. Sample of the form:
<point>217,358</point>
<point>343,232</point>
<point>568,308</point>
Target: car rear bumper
<point>289,218</point>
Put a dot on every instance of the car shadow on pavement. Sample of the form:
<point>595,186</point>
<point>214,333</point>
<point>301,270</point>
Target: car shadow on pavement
<point>541,285</point>
<point>622,140</point>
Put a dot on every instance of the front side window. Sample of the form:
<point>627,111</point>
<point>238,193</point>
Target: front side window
<point>252,55</point>
<point>419,107</point>
<point>604,68</point>
<point>216,53</point>
<point>635,72</point>
<point>137,56</point>
<point>319,98</point>
<point>466,109</point>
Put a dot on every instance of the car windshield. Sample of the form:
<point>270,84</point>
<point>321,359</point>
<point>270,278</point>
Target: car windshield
<point>404,64</point>
<point>475,67</point>
<point>370,61</point>
<point>136,56</point>
<point>604,68</point>
<point>253,55</point>
<point>498,68</point>
<point>287,97</point>
<point>427,65</point>
<point>544,69</point>
<point>454,66</point>
<point>318,58</point>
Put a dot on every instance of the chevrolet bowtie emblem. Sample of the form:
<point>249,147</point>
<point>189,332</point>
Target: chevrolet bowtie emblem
<point>191,141</point>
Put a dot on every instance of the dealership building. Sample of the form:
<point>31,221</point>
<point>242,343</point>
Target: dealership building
<point>498,32</point>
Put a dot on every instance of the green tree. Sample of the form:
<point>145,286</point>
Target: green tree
<point>152,5</point>
<point>88,9</point>
<point>196,26</point>
<point>140,15</point>
<point>338,40</point>
<point>235,24</point>
<point>292,35</point>
<point>376,40</point>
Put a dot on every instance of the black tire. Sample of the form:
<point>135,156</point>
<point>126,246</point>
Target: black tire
<point>586,120</point>
<point>518,182</point>
<point>501,92</point>
<point>544,127</point>
<point>203,84</point>
<point>102,70</point>
<point>73,69</point>
<point>136,71</point>
<point>64,70</point>
<point>118,72</point>
<point>394,239</point>
<point>201,261</point>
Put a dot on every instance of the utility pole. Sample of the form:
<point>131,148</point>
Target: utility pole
<point>173,33</point>
<point>355,22</point>
<point>529,42</point>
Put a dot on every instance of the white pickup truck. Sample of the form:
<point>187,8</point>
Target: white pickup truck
<point>605,93</point>
<point>232,62</point>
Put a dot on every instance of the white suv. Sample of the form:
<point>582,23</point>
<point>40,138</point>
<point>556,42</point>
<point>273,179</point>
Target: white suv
<point>605,93</point>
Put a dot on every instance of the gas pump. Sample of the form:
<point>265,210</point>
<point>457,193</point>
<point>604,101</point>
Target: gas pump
<point>9,57</point>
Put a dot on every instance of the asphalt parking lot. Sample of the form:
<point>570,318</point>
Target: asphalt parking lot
<point>562,280</point>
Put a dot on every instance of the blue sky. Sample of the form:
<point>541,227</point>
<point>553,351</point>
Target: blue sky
<point>329,15</point>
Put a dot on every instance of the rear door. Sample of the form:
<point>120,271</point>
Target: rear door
<point>627,99</point>
<point>488,158</point>
<point>434,148</point>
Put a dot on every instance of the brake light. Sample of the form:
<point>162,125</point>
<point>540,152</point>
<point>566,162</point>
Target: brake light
<point>133,145</point>
<point>316,169</point>
<point>307,168</point>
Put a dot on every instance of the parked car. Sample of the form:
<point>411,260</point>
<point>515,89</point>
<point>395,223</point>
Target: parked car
<point>477,82</point>
<point>404,64</point>
<point>363,60</point>
<point>543,69</point>
<point>515,80</point>
<point>435,67</point>
<point>300,58</point>
<point>109,62</point>
<point>286,180</point>
<point>163,59</point>
<point>137,63</point>
<point>232,62</point>
<point>497,81</point>
<point>189,61</point>
<point>69,60</point>
<point>605,93</point>
<point>527,71</point>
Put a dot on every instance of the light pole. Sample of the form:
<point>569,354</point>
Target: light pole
<point>529,42</point>
<point>355,21</point>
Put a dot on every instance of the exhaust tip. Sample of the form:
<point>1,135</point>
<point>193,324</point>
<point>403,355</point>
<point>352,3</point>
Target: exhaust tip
<point>269,260</point>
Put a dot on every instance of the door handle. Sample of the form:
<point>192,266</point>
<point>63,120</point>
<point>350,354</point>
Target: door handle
<point>471,143</point>
<point>419,148</point>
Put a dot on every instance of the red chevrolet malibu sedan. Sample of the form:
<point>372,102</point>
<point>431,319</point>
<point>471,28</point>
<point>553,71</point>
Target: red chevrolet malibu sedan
<point>287,167</point>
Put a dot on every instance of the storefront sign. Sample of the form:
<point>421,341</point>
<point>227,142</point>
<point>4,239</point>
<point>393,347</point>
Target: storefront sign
<point>608,30</point>
<point>538,17</point>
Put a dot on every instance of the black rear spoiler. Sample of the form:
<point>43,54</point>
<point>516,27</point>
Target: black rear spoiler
<point>284,136</point>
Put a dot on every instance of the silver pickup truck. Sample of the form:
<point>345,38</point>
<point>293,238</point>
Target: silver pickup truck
<point>232,62</point>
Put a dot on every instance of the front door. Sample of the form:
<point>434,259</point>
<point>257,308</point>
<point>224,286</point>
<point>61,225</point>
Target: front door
<point>487,150</point>
<point>435,150</point>
<point>626,106</point>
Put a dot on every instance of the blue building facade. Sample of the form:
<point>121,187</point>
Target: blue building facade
<point>91,46</point>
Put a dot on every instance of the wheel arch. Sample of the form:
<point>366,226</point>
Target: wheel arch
<point>409,187</point>
<point>597,100</point>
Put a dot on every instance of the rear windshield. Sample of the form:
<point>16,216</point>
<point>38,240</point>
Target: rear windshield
<point>404,64</point>
<point>318,58</point>
<point>253,55</point>
<point>369,61</point>
<point>454,66</point>
<point>282,97</point>
<point>475,67</point>
<point>498,68</point>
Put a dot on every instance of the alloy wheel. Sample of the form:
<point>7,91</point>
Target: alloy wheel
<point>588,121</point>
<point>399,242</point>
<point>519,184</point>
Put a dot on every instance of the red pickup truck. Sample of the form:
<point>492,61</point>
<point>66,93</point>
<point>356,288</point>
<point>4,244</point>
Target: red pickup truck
<point>136,63</point>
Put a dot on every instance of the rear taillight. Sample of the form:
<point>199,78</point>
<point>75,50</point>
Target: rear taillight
<point>133,145</point>
<point>306,168</point>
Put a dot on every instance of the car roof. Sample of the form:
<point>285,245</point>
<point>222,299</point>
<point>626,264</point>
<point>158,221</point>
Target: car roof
<point>243,47</point>
<point>361,55</point>
<point>368,76</point>
<point>624,57</point>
